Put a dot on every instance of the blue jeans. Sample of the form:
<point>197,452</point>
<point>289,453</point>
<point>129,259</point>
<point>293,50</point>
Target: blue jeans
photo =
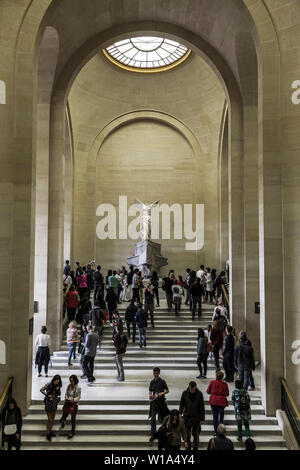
<point>72,351</point>
<point>218,415</point>
<point>142,334</point>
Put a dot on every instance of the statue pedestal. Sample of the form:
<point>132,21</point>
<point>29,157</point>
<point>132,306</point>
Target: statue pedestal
<point>147,257</point>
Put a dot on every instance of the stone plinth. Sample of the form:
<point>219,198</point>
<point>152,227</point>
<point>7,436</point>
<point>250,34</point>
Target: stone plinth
<point>147,256</point>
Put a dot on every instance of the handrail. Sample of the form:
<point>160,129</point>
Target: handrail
<point>225,293</point>
<point>288,404</point>
<point>6,392</point>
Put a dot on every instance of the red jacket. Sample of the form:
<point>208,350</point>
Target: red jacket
<point>216,336</point>
<point>72,299</point>
<point>218,391</point>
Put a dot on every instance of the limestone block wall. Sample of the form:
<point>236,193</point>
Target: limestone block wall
<point>149,160</point>
<point>191,94</point>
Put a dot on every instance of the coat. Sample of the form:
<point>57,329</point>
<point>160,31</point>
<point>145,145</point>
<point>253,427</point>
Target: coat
<point>237,396</point>
<point>243,357</point>
<point>18,422</point>
<point>218,391</point>
<point>192,406</point>
<point>178,431</point>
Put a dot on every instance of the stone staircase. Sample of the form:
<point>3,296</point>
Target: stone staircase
<point>114,415</point>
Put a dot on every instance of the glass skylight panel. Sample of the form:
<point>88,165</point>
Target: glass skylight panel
<point>147,53</point>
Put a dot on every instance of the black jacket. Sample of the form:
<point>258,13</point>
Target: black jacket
<point>18,422</point>
<point>220,443</point>
<point>98,278</point>
<point>243,356</point>
<point>229,345</point>
<point>96,316</point>
<point>141,319</point>
<point>130,313</point>
<point>192,406</point>
<point>168,283</point>
<point>196,289</point>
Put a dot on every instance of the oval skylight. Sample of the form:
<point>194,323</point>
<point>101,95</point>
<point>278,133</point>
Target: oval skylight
<point>146,54</point>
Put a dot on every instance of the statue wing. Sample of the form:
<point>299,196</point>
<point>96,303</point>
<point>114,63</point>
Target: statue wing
<point>154,204</point>
<point>137,201</point>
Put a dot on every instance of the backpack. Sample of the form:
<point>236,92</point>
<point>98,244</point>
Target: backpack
<point>123,343</point>
<point>164,287</point>
<point>243,403</point>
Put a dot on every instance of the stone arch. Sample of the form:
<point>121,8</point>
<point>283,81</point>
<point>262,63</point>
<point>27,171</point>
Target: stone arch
<point>122,120</point>
<point>258,10</point>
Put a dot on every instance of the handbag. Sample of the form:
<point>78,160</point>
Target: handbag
<point>70,407</point>
<point>208,347</point>
<point>10,429</point>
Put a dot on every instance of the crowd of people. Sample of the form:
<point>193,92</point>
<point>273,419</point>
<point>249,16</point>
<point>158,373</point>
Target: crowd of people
<point>86,285</point>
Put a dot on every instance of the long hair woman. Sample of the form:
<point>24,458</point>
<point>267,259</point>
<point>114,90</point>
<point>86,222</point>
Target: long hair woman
<point>52,391</point>
<point>72,397</point>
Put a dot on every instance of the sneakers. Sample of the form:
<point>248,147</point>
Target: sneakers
<point>119,379</point>
<point>71,435</point>
<point>83,377</point>
<point>151,439</point>
<point>240,439</point>
<point>140,345</point>
<point>39,375</point>
<point>145,343</point>
<point>199,377</point>
<point>62,425</point>
<point>48,437</point>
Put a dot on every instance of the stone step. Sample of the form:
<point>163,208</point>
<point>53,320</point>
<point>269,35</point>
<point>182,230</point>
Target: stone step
<point>90,419</point>
<point>137,409</point>
<point>140,429</point>
<point>137,442</point>
<point>134,403</point>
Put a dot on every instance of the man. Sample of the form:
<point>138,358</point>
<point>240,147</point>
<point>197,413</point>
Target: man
<point>67,268</point>
<point>119,278</point>
<point>98,282</point>
<point>244,360</point>
<point>157,391</point>
<point>90,350</point>
<point>78,269</point>
<point>130,314</point>
<point>220,442</point>
<point>149,302</point>
<point>113,282</point>
<point>120,343</point>
<point>228,355</point>
<point>168,282</point>
<point>201,274</point>
<point>116,320</point>
<point>193,411</point>
<point>141,321</point>
<point>96,319</point>
<point>187,286</point>
<point>135,286</point>
<point>196,294</point>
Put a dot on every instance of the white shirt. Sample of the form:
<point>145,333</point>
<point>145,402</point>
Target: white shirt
<point>201,275</point>
<point>43,340</point>
<point>68,280</point>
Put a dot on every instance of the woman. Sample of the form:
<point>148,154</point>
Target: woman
<point>82,283</point>
<point>216,338</point>
<point>72,302</point>
<point>177,296</point>
<point>84,308</point>
<point>111,301</point>
<point>170,433</point>
<point>52,391</point>
<point>72,397</point>
<point>218,391</point>
<point>72,337</point>
<point>43,343</point>
<point>242,413</point>
<point>126,293</point>
<point>81,348</point>
<point>209,286</point>
<point>109,274</point>
<point>154,281</point>
<point>11,418</point>
<point>209,344</point>
<point>202,353</point>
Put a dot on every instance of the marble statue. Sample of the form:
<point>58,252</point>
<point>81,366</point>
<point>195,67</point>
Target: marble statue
<point>146,218</point>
